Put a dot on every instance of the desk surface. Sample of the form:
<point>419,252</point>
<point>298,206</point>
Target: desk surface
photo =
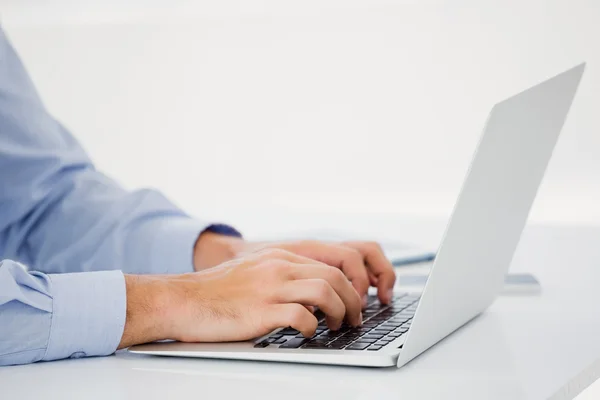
<point>523,347</point>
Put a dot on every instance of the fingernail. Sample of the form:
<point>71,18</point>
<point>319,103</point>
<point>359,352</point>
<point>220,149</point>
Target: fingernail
<point>361,319</point>
<point>364,301</point>
<point>390,294</point>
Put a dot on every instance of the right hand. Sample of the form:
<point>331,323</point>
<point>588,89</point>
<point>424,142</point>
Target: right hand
<point>239,300</point>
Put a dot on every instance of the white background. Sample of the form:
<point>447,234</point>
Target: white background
<point>360,105</point>
<point>242,108</point>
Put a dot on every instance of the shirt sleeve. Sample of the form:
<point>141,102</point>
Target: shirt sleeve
<point>59,214</point>
<point>49,317</point>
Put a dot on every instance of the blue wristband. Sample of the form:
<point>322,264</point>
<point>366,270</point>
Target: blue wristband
<point>223,229</point>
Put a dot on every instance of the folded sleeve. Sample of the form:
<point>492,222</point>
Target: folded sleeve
<point>47,317</point>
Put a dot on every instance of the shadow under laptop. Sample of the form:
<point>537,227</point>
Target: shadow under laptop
<point>475,361</point>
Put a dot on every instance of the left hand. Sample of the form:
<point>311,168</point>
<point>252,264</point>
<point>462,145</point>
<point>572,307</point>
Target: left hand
<point>363,263</point>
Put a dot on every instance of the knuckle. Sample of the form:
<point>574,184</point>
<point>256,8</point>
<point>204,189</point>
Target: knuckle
<point>269,253</point>
<point>278,253</point>
<point>336,275</point>
<point>323,289</point>
<point>355,256</point>
<point>275,267</point>
<point>374,247</point>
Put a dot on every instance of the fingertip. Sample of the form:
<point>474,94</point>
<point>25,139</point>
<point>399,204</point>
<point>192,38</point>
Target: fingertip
<point>382,298</point>
<point>385,289</point>
<point>390,295</point>
<point>309,333</point>
<point>333,325</point>
<point>385,294</point>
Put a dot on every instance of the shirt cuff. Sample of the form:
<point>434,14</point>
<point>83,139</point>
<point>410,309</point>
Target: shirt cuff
<point>88,314</point>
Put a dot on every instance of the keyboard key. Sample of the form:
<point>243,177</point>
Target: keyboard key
<point>404,314</point>
<point>365,340</point>
<point>275,337</point>
<point>381,325</point>
<point>378,320</point>
<point>387,339</point>
<point>345,340</point>
<point>262,344</point>
<point>376,333</point>
<point>337,345</point>
<point>373,336</point>
<point>358,346</point>
<point>353,334</point>
<point>384,331</point>
<point>280,340</point>
<point>374,347</point>
<point>320,340</point>
<point>293,343</point>
<point>288,331</point>
<point>399,320</point>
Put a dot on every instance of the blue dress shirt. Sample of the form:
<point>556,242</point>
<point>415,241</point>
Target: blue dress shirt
<point>76,228</point>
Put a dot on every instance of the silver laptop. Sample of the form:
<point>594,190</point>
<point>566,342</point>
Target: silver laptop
<point>475,254</point>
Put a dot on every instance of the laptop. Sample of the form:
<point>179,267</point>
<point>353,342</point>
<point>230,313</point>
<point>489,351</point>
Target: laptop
<point>472,261</point>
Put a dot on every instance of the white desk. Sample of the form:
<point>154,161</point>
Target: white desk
<point>531,347</point>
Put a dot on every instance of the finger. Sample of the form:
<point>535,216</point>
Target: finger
<point>380,266</point>
<point>293,315</point>
<point>352,264</point>
<point>315,292</point>
<point>373,279</point>
<point>310,308</point>
<point>338,282</point>
<point>347,259</point>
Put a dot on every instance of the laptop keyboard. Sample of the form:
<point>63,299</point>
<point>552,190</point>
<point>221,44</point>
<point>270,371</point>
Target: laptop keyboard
<point>382,324</point>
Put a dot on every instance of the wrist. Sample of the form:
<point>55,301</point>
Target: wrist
<point>212,249</point>
<point>147,310</point>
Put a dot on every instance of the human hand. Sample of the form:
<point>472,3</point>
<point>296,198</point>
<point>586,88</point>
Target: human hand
<point>244,298</point>
<point>363,263</point>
